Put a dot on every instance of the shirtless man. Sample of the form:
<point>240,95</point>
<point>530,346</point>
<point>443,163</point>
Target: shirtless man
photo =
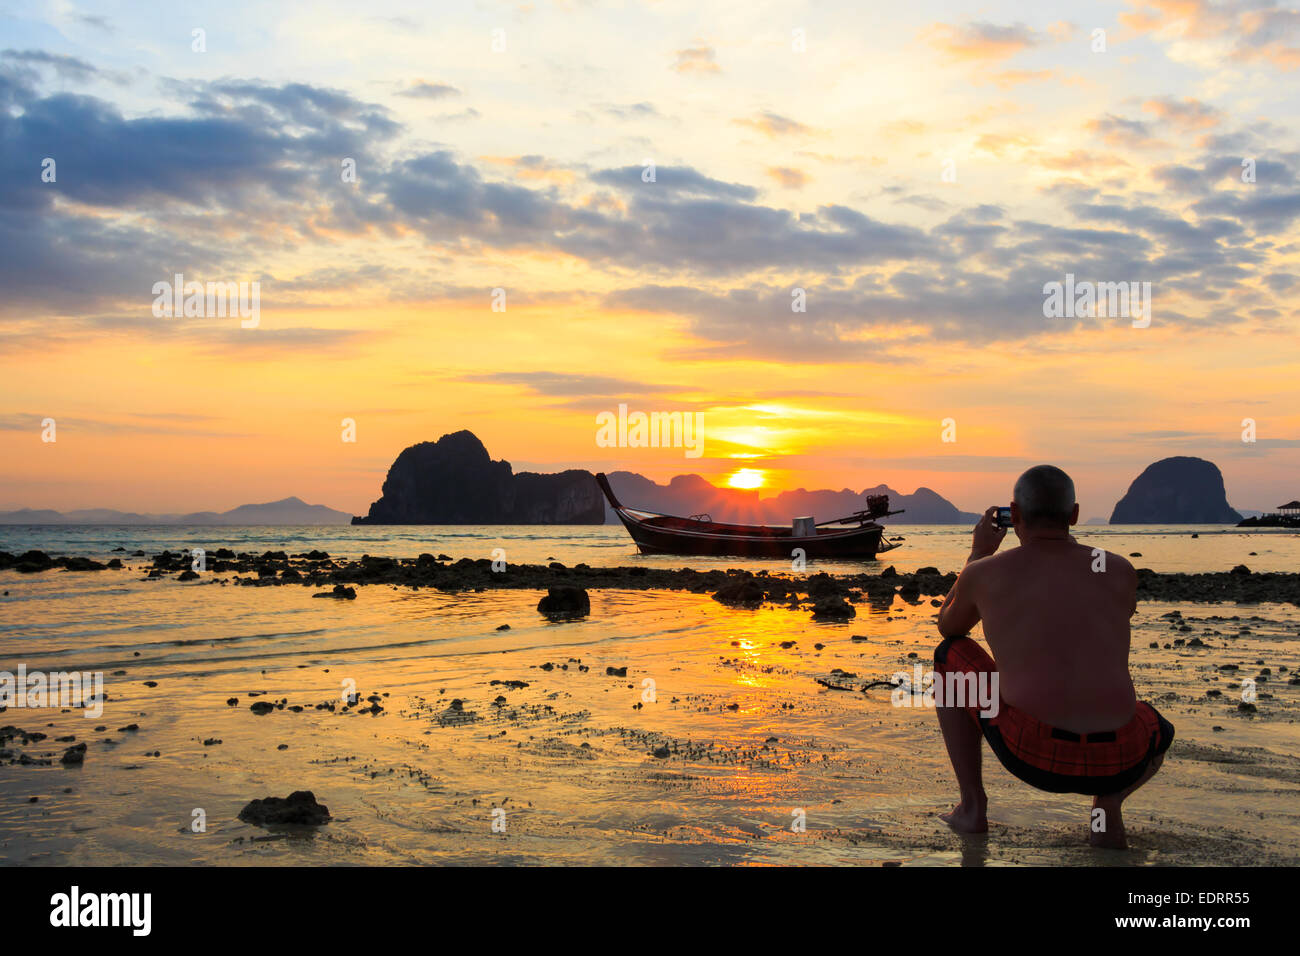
<point>1056,618</point>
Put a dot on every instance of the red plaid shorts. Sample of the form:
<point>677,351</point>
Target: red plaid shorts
<point>1052,759</point>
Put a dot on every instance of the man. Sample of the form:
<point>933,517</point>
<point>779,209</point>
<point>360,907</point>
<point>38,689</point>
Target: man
<point>1056,617</point>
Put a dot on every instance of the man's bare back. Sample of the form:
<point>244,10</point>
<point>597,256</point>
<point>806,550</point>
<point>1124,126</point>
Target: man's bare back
<point>1059,631</point>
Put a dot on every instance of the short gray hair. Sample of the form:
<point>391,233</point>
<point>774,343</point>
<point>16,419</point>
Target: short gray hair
<point>1045,495</point>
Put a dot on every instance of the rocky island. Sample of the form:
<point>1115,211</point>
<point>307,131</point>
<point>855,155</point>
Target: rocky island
<point>1179,490</point>
<point>455,481</point>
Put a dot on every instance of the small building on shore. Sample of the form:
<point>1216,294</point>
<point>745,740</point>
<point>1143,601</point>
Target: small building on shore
<point>1286,516</point>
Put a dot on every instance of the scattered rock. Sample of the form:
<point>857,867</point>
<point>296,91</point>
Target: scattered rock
<point>565,603</point>
<point>833,609</point>
<point>298,809</point>
<point>341,591</point>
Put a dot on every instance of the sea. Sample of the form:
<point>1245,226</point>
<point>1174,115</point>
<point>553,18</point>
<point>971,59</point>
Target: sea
<point>1164,548</point>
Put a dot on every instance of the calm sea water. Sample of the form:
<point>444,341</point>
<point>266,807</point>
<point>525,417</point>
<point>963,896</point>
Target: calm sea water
<point>1162,548</point>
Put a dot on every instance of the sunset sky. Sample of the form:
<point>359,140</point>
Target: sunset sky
<point>775,168</point>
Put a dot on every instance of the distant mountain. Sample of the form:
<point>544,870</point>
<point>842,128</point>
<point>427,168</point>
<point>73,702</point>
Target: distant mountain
<point>455,481</point>
<point>287,511</point>
<point>691,494</point>
<point>1177,490</point>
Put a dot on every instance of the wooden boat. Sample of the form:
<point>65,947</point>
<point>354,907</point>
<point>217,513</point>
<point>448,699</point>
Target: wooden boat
<point>855,536</point>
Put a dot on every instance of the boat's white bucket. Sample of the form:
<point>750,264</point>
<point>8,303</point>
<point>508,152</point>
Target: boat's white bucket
<point>804,527</point>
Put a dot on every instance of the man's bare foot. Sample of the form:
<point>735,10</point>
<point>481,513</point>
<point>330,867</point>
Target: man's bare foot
<point>1111,835</point>
<point>968,816</point>
<point>1108,841</point>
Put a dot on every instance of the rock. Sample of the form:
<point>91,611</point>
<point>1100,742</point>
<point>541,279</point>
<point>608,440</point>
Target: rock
<point>80,564</point>
<point>1240,569</point>
<point>1179,490</point>
<point>74,755</point>
<point>833,609</point>
<point>661,752</point>
<point>298,809</point>
<point>262,707</point>
<point>742,591</point>
<point>341,591</point>
<point>565,602</point>
<point>187,575</point>
<point>455,481</point>
<point>616,671</point>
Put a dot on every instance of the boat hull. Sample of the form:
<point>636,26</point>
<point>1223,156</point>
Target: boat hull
<point>698,535</point>
<point>861,543</point>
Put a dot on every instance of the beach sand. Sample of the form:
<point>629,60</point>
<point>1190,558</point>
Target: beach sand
<point>746,737</point>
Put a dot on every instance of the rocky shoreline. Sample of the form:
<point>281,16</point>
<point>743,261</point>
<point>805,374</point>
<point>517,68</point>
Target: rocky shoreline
<point>829,596</point>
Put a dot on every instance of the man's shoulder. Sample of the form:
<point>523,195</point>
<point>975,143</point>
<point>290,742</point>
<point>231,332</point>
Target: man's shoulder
<point>1117,562</point>
<point>989,565</point>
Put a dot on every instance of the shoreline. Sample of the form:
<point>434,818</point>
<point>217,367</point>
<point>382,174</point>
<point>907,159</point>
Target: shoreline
<point>732,587</point>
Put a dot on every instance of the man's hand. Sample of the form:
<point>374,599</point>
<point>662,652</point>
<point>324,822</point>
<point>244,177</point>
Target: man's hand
<point>988,536</point>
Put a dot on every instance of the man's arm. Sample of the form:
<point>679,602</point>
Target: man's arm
<point>959,612</point>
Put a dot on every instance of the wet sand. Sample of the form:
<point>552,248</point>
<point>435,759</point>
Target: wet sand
<point>742,732</point>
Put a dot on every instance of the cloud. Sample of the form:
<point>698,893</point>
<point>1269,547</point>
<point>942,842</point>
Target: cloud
<point>1254,32</point>
<point>258,166</point>
<point>699,59</point>
<point>625,111</point>
<point>559,384</point>
<point>147,424</point>
<point>429,91</point>
<point>1186,114</point>
<point>534,168</point>
<point>770,124</point>
<point>982,41</point>
<point>681,180</point>
<point>788,177</point>
<point>1118,131</point>
<point>99,23</point>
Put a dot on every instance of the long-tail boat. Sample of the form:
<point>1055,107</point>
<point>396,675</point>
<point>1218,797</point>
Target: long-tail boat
<point>854,536</point>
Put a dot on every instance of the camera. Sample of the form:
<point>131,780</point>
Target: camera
<point>1003,518</point>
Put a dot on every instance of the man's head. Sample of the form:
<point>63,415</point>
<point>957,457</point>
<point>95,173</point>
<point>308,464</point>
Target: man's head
<point>1043,500</point>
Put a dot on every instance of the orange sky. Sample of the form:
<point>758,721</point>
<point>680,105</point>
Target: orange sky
<point>775,170</point>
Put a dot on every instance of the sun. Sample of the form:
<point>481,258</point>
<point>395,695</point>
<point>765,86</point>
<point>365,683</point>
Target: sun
<point>746,478</point>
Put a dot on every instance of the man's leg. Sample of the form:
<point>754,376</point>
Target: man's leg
<point>965,743</point>
<point>962,736</point>
<point>1112,836</point>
